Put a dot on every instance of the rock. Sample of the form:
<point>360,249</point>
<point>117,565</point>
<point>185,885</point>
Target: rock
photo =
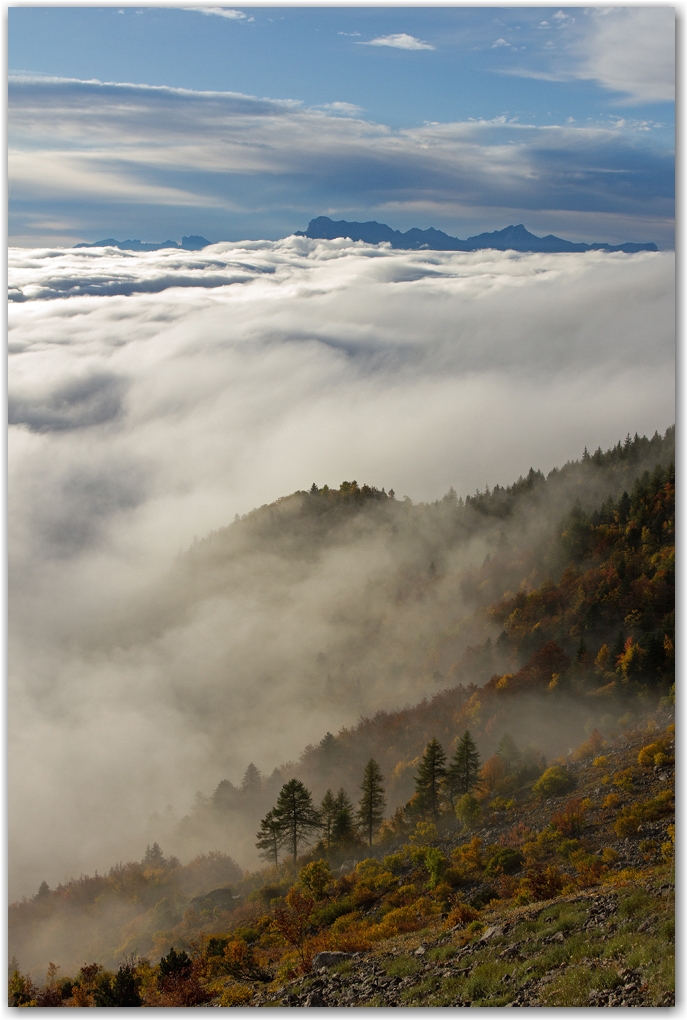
<point>324,960</point>
<point>421,950</point>
<point>315,999</point>
<point>490,932</point>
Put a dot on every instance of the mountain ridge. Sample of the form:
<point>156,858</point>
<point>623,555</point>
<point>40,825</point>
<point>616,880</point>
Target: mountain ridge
<point>511,238</point>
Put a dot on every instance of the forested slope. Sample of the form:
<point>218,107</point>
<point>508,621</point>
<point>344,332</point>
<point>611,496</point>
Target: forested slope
<point>538,617</point>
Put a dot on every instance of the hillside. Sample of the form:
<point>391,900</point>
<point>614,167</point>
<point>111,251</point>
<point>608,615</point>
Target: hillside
<point>549,900</point>
<point>555,632</point>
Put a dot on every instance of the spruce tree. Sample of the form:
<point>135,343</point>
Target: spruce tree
<point>373,801</point>
<point>252,780</point>
<point>464,769</point>
<point>509,753</point>
<point>343,829</point>
<point>327,816</point>
<point>430,778</point>
<point>296,815</point>
<point>270,839</point>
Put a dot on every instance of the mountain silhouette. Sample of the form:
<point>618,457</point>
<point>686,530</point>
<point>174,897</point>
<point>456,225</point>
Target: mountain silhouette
<point>514,238</point>
<point>192,243</point>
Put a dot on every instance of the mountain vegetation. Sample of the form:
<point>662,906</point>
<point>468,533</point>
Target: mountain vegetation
<point>421,842</point>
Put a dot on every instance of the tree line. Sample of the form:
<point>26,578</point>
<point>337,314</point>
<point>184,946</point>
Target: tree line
<point>295,820</point>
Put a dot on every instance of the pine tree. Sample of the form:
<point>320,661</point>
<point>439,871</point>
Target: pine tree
<point>430,778</point>
<point>509,753</point>
<point>154,857</point>
<point>252,780</point>
<point>327,816</point>
<point>464,769</point>
<point>373,801</point>
<point>269,839</point>
<point>296,815</point>
<point>343,829</point>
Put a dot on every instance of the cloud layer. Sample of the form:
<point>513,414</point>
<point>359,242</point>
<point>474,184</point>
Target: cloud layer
<point>89,160</point>
<point>155,395</point>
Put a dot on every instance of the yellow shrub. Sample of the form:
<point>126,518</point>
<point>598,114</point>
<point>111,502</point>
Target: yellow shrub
<point>647,754</point>
<point>668,848</point>
<point>601,761</point>
<point>424,834</point>
<point>609,855</point>
<point>236,995</point>
<point>623,780</point>
<point>611,800</point>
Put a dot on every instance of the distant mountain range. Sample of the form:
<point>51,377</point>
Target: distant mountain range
<point>193,243</point>
<point>515,238</point>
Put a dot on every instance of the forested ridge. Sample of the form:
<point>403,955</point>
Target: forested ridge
<point>552,641</point>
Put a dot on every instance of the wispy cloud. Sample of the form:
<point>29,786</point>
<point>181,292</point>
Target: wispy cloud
<point>400,41</point>
<point>119,147</point>
<point>221,12</point>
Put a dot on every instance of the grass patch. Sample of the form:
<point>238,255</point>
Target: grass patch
<point>442,953</point>
<point>422,990</point>
<point>638,902</point>
<point>345,967</point>
<point>402,966</point>
<point>573,987</point>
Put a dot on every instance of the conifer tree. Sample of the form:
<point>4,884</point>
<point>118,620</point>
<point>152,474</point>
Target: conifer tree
<point>371,806</point>
<point>252,780</point>
<point>296,815</point>
<point>327,816</point>
<point>508,752</point>
<point>343,829</point>
<point>270,839</point>
<point>430,778</point>
<point>464,769</point>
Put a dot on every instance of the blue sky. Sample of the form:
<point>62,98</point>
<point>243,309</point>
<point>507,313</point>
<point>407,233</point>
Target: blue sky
<point>461,118</point>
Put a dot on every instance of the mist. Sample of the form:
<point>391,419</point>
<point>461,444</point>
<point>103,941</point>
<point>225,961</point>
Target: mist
<point>153,397</point>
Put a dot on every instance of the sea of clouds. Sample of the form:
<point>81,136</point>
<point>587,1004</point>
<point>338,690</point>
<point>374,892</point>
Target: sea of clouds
<point>153,396</point>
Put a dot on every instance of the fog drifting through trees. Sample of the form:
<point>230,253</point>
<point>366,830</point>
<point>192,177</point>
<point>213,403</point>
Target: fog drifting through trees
<point>154,397</point>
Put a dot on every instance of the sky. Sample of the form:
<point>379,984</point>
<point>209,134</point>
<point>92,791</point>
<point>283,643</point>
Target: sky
<point>155,123</point>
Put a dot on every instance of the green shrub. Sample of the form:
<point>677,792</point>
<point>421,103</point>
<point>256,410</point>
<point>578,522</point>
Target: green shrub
<point>553,783</point>
<point>506,860</point>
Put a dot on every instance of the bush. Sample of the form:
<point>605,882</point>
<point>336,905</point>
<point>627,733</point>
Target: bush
<point>505,861</point>
<point>649,754</point>
<point>591,746</point>
<point>633,815</point>
<point>545,884</point>
<point>553,783</point>
<point>461,915</point>
<point>468,809</point>
<point>315,877</point>
<point>601,762</point>
<point>570,821</point>
<point>435,863</point>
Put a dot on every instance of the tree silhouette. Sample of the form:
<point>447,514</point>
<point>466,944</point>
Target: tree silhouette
<point>430,778</point>
<point>509,753</point>
<point>373,801</point>
<point>327,816</point>
<point>269,838</point>
<point>343,829</point>
<point>296,815</point>
<point>252,780</point>
<point>464,769</point>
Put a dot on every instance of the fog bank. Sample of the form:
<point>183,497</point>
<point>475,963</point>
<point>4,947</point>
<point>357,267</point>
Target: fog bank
<point>154,396</point>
